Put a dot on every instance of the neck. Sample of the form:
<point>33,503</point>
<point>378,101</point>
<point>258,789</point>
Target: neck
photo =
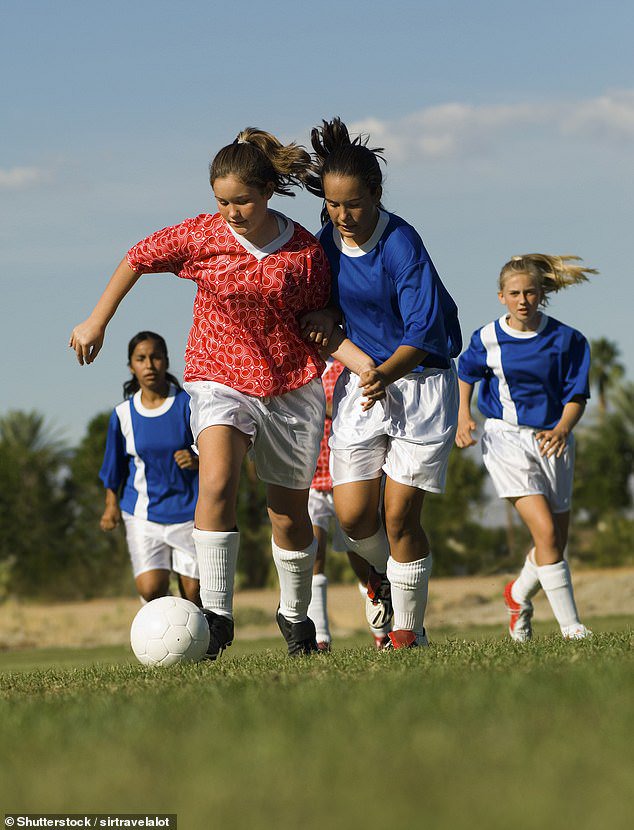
<point>153,396</point>
<point>528,325</point>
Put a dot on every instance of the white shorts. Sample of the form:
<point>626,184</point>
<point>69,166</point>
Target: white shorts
<point>511,455</point>
<point>285,430</point>
<point>409,435</point>
<point>321,509</point>
<point>155,546</point>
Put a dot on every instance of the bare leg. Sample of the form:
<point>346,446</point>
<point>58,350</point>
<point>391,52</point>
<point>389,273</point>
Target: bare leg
<point>189,588</point>
<point>222,450</point>
<point>538,518</point>
<point>153,584</point>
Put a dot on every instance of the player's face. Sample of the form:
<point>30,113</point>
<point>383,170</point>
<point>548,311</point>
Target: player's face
<point>245,209</point>
<point>148,364</point>
<point>521,295</point>
<point>353,209</point>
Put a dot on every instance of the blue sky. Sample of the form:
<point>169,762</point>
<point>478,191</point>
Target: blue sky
<point>508,128</point>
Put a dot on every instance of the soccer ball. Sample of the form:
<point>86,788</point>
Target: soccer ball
<point>169,630</point>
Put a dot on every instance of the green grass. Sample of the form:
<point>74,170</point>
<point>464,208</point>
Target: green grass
<point>476,732</point>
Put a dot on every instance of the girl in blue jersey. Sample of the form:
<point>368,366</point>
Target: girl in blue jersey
<point>397,311</point>
<point>533,374</point>
<point>150,474</point>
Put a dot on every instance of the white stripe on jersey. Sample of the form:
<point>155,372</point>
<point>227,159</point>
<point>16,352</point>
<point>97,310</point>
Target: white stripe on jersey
<point>494,362</point>
<point>140,480</point>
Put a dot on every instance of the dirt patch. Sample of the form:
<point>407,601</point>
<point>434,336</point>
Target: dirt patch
<point>459,601</point>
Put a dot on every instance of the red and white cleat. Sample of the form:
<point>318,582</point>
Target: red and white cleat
<point>520,616</point>
<point>402,638</point>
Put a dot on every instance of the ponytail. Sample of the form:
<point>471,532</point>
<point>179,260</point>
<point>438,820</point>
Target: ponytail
<point>257,158</point>
<point>552,273</point>
<point>337,154</point>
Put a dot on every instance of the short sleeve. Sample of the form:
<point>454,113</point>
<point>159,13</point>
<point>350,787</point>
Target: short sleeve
<point>577,377</point>
<point>165,251</point>
<point>472,364</point>
<point>114,467</point>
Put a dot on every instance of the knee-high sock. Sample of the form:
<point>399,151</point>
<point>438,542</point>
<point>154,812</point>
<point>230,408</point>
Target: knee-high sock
<point>374,549</point>
<point>557,584</point>
<point>409,581</point>
<point>527,583</point>
<point>217,553</point>
<point>295,572</point>
<point>318,608</point>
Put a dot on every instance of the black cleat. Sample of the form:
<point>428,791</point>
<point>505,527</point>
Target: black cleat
<point>300,636</point>
<point>220,634</point>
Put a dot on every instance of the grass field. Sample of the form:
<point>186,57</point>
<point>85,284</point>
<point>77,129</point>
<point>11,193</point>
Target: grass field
<point>474,732</point>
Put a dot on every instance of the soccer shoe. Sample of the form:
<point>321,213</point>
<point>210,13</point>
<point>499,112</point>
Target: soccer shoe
<point>323,646</point>
<point>300,637</point>
<point>520,616</point>
<point>402,638</point>
<point>381,641</point>
<point>378,603</point>
<point>575,632</point>
<point>220,634</point>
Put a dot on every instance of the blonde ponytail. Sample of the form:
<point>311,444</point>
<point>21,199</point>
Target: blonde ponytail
<point>552,273</point>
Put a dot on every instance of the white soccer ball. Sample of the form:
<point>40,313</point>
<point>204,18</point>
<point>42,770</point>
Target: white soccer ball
<point>169,630</point>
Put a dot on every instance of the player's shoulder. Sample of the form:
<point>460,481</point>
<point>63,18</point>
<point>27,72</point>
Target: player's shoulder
<point>564,330</point>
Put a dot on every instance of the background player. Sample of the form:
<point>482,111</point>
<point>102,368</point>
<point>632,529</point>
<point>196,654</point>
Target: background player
<point>148,461</point>
<point>254,383</point>
<point>398,312</point>
<point>533,374</point>
<point>321,509</point>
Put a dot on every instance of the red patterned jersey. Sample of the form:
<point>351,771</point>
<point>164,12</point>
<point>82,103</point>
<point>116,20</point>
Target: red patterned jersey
<point>322,479</point>
<point>245,332</point>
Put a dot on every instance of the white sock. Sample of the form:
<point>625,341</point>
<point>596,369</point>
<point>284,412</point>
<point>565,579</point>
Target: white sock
<point>556,582</point>
<point>409,581</point>
<point>295,572</point>
<point>527,583</point>
<point>374,549</point>
<point>217,553</point>
<point>318,608</point>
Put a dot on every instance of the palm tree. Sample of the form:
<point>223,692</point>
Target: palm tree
<point>605,369</point>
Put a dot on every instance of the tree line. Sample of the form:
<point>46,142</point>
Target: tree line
<point>51,500</point>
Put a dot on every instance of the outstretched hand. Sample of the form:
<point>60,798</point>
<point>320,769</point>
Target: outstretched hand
<point>317,326</point>
<point>87,339</point>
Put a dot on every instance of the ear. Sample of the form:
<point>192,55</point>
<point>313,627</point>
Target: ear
<point>378,194</point>
<point>501,298</point>
<point>269,190</point>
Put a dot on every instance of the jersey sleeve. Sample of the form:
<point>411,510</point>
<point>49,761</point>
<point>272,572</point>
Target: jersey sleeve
<point>114,467</point>
<point>472,364</point>
<point>420,300</point>
<point>164,251</point>
<point>576,381</point>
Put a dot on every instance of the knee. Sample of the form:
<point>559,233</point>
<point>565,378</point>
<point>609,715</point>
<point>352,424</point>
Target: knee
<point>400,520</point>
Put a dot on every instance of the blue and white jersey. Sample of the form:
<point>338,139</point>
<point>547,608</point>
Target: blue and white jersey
<point>139,459</point>
<point>391,295</point>
<point>527,377</point>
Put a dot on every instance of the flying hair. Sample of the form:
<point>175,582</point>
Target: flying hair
<point>552,273</point>
<point>258,159</point>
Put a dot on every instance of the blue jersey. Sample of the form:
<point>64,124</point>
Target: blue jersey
<point>391,295</point>
<point>139,459</point>
<point>527,377</point>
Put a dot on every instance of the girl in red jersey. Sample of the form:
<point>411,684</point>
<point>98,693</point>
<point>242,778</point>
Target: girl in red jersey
<point>254,383</point>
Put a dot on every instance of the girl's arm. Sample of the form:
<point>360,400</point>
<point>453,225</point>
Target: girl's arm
<point>553,441</point>
<point>87,337</point>
<point>374,381</point>
<point>466,424</point>
<point>111,517</point>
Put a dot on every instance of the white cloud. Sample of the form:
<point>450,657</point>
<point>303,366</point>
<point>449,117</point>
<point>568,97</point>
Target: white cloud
<point>19,178</point>
<point>459,131</point>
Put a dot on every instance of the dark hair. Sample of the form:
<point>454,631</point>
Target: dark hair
<point>336,153</point>
<point>257,158</point>
<point>132,385</point>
